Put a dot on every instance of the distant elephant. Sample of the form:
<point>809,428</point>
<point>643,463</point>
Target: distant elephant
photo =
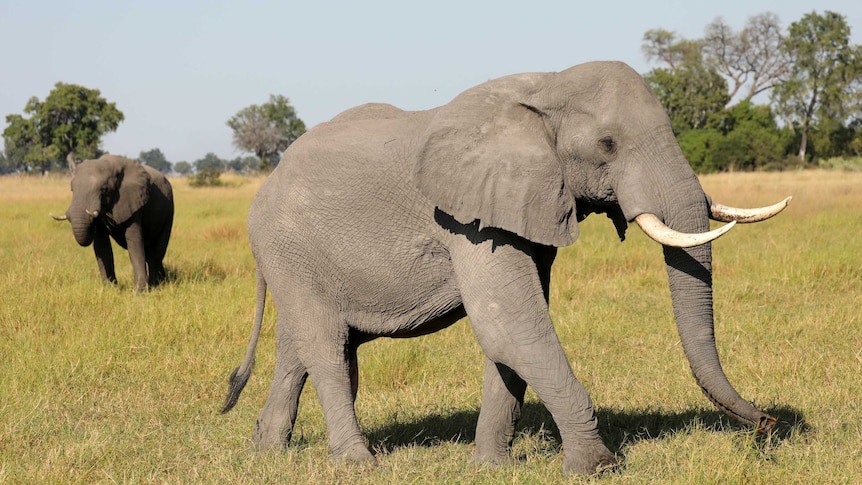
<point>389,223</point>
<point>130,202</point>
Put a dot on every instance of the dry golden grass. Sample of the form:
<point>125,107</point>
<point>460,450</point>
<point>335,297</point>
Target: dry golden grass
<point>100,385</point>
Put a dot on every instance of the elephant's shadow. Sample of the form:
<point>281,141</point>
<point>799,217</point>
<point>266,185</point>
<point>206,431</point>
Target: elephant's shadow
<point>619,429</point>
<point>195,272</point>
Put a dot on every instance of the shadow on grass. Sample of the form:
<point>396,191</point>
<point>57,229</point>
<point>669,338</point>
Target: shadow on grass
<point>619,429</point>
<point>197,272</point>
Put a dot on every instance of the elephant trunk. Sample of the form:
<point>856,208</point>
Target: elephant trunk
<point>690,278</point>
<point>82,228</point>
<point>661,182</point>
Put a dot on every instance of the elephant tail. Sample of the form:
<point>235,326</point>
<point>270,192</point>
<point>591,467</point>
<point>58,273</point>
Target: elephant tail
<point>240,375</point>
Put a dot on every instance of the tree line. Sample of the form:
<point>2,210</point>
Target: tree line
<point>69,124</point>
<point>810,74</point>
<point>712,89</point>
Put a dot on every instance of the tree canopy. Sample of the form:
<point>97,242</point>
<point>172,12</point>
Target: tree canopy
<point>825,76</point>
<point>156,159</point>
<point>690,94</point>
<point>68,125</point>
<point>812,73</point>
<point>244,164</point>
<point>752,57</point>
<point>210,162</point>
<point>266,130</point>
<point>664,46</point>
<point>183,167</point>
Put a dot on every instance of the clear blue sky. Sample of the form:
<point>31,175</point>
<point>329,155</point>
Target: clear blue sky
<point>179,69</point>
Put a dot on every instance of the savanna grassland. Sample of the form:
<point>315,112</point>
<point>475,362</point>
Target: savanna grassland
<point>98,384</point>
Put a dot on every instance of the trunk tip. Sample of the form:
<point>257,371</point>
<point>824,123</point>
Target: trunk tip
<point>766,423</point>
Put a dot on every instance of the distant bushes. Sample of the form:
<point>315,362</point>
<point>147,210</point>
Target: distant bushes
<point>840,163</point>
<point>743,137</point>
<point>209,177</point>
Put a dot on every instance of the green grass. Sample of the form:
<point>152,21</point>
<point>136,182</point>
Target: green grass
<point>100,385</point>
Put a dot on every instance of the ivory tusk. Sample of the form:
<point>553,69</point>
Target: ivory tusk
<point>660,233</point>
<point>59,218</point>
<point>93,214</point>
<point>723,213</point>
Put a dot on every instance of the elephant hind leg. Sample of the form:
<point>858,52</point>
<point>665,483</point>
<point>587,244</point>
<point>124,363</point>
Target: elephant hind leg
<point>155,273</point>
<point>502,399</point>
<point>274,426</point>
<point>311,338</point>
<point>336,382</point>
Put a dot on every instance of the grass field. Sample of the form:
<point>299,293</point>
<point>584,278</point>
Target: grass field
<point>100,385</point>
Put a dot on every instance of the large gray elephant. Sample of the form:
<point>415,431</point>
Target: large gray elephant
<point>115,197</point>
<point>391,223</point>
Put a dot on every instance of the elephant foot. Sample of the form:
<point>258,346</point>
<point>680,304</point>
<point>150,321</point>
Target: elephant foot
<point>588,460</point>
<point>267,438</point>
<point>357,453</point>
<point>492,460</point>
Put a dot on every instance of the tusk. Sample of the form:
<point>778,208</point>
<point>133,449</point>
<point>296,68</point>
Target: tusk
<point>59,218</point>
<point>93,214</point>
<point>723,213</point>
<point>660,233</point>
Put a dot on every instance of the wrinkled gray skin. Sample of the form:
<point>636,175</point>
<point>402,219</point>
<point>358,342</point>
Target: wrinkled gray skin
<point>390,223</point>
<point>133,204</point>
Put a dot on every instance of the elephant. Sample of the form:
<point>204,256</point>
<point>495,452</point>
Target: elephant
<point>391,223</point>
<point>130,202</point>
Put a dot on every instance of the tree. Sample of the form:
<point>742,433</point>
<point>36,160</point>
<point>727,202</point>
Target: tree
<point>742,137</point>
<point>689,88</point>
<point>752,140</point>
<point>690,94</point>
<point>210,162</point>
<point>824,79</point>
<point>833,138</point>
<point>662,45</point>
<point>156,159</point>
<point>19,138</point>
<point>5,165</point>
<point>68,124</point>
<point>752,57</point>
<point>243,164</point>
<point>266,130</point>
<point>183,167</point>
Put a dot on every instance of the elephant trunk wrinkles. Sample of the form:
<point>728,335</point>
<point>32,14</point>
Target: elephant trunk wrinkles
<point>690,279</point>
<point>82,228</point>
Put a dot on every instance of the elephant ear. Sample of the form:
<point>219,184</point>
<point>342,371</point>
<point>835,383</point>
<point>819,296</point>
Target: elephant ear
<point>133,192</point>
<point>489,156</point>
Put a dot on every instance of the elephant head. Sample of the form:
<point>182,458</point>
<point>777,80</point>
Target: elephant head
<point>110,189</point>
<point>536,153</point>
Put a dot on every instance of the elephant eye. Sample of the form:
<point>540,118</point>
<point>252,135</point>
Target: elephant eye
<point>608,144</point>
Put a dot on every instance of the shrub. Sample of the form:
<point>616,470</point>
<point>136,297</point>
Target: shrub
<point>209,177</point>
<point>840,163</point>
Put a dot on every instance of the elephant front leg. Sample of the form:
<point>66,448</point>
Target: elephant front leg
<point>104,257</point>
<point>502,399</point>
<point>135,245</point>
<point>504,298</point>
